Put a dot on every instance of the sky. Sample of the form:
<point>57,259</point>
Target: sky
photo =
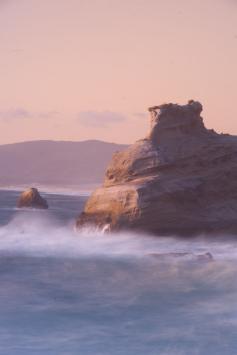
<point>89,69</point>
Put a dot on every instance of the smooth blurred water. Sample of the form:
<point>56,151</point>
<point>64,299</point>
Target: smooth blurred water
<point>64,293</point>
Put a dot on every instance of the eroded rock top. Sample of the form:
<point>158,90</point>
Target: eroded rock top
<point>173,121</point>
<point>176,133</point>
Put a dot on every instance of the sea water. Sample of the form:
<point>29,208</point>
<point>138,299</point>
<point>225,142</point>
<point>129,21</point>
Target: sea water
<point>64,292</point>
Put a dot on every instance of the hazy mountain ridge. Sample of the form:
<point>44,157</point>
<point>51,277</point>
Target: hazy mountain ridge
<point>55,162</point>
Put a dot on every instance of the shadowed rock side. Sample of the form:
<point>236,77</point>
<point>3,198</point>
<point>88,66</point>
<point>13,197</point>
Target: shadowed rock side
<point>32,199</point>
<point>181,179</point>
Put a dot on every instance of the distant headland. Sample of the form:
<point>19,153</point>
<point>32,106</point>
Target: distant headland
<point>55,163</point>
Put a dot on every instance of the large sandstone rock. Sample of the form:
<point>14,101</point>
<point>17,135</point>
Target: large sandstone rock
<point>32,199</point>
<point>181,179</point>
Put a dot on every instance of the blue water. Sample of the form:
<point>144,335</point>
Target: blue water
<point>65,293</point>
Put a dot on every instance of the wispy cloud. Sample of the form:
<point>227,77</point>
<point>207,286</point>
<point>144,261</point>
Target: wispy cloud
<point>142,115</point>
<point>100,118</point>
<point>15,114</point>
<point>4,3</point>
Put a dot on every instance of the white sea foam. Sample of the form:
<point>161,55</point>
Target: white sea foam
<point>66,292</point>
<point>35,233</point>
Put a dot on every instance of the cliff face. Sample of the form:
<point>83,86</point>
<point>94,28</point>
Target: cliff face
<point>181,179</point>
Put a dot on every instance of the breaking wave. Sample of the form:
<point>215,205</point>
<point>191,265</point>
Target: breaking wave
<point>36,233</point>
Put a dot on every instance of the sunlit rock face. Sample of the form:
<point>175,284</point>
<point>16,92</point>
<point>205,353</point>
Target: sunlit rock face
<point>180,179</point>
<point>32,199</point>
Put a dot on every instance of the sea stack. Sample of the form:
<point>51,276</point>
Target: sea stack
<point>31,199</point>
<point>180,180</point>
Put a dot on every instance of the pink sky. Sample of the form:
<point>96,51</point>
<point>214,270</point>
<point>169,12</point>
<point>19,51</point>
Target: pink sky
<point>88,69</point>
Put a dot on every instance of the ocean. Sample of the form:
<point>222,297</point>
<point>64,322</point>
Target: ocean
<point>64,292</point>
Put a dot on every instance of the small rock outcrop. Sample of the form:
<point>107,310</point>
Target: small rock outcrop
<point>181,179</point>
<point>32,199</point>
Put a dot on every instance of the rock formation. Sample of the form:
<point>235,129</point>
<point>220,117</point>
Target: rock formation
<point>181,179</point>
<point>32,199</point>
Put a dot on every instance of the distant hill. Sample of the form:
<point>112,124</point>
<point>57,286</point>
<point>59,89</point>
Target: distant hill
<point>58,163</point>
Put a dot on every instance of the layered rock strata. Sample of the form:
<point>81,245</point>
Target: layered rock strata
<point>180,179</point>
